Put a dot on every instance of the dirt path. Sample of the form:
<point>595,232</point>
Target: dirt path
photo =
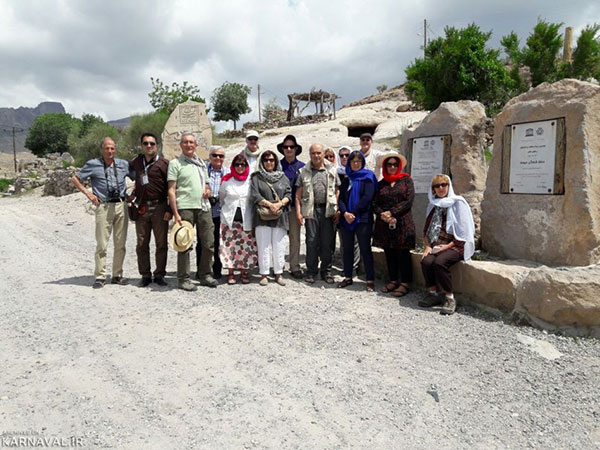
<point>252,367</point>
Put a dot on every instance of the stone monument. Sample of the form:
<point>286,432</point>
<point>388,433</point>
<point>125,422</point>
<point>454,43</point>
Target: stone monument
<point>543,203</point>
<point>189,116</point>
<point>451,138</point>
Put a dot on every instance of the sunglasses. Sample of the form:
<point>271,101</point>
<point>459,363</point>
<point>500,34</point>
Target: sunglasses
<point>148,144</point>
<point>344,155</point>
<point>330,157</point>
<point>217,156</point>
<point>392,164</point>
<point>268,160</point>
<point>252,139</point>
<point>240,165</point>
<point>439,185</point>
<point>289,146</point>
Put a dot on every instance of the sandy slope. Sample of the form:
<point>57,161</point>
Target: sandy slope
<point>252,367</point>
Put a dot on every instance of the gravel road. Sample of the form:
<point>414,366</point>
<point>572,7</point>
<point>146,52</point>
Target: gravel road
<point>309,367</point>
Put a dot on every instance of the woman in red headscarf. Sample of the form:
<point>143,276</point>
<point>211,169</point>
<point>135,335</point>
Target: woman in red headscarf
<point>394,227</point>
<point>237,248</point>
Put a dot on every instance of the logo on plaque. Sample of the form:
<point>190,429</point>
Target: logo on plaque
<point>529,132</point>
<point>539,131</point>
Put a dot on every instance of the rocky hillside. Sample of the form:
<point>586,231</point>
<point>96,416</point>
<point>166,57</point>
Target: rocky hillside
<point>22,117</point>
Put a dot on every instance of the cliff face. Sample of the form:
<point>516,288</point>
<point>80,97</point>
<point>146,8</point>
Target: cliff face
<point>22,117</point>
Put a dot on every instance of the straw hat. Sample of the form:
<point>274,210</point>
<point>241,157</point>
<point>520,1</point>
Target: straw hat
<point>182,236</point>
<point>390,154</point>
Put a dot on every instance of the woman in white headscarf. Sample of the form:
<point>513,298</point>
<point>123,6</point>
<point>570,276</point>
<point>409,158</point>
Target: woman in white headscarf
<point>449,238</point>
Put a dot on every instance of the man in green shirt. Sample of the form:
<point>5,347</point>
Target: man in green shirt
<point>189,191</point>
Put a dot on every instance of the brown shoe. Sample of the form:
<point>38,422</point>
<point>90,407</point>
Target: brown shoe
<point>297,274</point>
<point>400,291</point>
<point>119,280</point>
<point>448,307</point>
<point>345,282</point>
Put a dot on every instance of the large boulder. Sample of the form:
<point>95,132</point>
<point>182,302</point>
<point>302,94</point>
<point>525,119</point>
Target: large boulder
<point>549,229</point>
<point>466,122</point>
<point>565,298</point>
<point>190,117</point>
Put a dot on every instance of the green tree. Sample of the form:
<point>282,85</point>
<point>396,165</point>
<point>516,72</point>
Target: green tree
<point>49,133</point>
<point>515,62</point>
<point>586,56</point>
<point>87,121</point>
<point>144,123</point>
<point>87,146</point>
<point>230,101</point>
<point>540,54</point>
<point>459,67</point>
<point>272,111</point>
<point>165,98</point>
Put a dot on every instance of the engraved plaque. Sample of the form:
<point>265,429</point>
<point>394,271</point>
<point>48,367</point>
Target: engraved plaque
<point>427,159</point>
<point>532,157</point>
<point>188,115</point>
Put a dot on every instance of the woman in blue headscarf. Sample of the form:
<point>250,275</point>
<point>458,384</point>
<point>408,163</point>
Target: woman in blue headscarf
<point>355,205</point>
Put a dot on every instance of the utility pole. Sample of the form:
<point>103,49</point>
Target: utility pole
<point>14,149</point>
<point>424,36</point>
<point>14,130</point>
<point>259,112</point>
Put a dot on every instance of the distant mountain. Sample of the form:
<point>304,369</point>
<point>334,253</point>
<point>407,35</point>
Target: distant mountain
<point>22,117</point>
<point>120,123</point>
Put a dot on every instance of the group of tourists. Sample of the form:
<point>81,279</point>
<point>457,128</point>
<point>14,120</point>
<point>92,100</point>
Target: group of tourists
<point>244,215</point>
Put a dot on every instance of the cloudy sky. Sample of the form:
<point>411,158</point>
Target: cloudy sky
<point>97,56</point>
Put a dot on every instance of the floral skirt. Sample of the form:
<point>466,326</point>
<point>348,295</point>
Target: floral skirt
<point>237,249</point>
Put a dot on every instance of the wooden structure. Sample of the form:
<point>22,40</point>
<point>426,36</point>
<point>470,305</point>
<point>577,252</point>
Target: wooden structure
<point>324,103</point>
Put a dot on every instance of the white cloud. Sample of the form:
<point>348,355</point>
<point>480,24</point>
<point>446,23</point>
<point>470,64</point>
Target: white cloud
<point>98,56</point>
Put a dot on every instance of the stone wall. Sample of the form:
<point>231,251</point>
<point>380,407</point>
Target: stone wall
<point>59,183</point>
<point>283,122</point>
<point>41,171</point>
<point>550,229</point>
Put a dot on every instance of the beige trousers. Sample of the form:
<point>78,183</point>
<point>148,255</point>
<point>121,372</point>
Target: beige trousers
<point>110,218</point>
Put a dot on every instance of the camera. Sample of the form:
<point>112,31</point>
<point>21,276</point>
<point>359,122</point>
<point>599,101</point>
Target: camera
<point>112,195</point>
<point>213,200</point>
